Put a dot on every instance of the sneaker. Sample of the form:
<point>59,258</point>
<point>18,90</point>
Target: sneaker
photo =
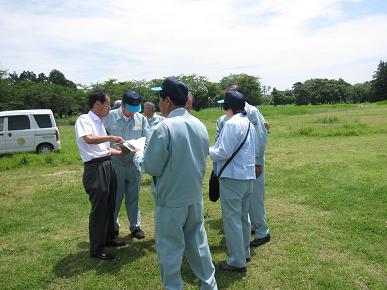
<point>260,242</point>
<point>228,268</point>
<point>138,234</point>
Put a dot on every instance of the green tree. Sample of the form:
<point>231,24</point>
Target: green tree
<point>249,85</point>
<point>28,76</point>
<point>362,92</point>
<point>58,78</point>
<point>197,85</point>
<point>215,93</point>
<point>282,97</point>
<point>379,82</point>
<point>301,94</point>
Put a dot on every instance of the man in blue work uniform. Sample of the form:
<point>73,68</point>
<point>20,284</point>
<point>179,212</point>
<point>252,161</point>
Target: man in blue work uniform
<point>128,123</point>
<point>257,211</point>
<point>176,154</point>
<point>152,118</point>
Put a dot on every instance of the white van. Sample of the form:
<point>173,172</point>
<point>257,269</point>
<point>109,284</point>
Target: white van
<point>28,130</point>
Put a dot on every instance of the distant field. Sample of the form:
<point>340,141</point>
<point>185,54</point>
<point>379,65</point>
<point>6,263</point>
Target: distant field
<point>326,201</point>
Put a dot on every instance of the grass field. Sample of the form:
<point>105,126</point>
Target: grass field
<point>326,200</point>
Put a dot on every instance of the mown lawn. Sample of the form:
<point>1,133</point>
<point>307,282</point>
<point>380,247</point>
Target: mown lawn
<point>326,201</point>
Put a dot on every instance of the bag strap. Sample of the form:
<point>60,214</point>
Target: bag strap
<point>235,152</point>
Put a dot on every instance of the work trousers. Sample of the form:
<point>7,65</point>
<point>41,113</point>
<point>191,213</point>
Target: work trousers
<point>128,188</point>
<point>235,200</point>
<point>99,181</point>
<point>181,230</point>
<point>257,211</point>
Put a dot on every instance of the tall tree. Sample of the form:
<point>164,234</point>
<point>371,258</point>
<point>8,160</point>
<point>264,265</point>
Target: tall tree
<point>250,85</point>
<point>362,92</point>
<point>27,76</point>
<point>198,86</point>
<point>380,82</point>
<point>58,78</point>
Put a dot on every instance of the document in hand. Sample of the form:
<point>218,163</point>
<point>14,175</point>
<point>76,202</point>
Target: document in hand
<point>132,145</point>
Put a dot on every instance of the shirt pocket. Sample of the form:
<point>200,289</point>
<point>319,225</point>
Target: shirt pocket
<point>136,133</point>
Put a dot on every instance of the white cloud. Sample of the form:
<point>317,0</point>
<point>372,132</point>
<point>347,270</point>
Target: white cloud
<point>281,41</point>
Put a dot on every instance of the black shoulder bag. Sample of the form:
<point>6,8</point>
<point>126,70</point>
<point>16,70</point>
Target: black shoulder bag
<point>213,184</point>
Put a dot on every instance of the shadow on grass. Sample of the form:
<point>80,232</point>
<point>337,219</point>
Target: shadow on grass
<point>77,263</point>
<point>225,280</point>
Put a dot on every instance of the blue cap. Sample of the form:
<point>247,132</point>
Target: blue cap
<point>157,89</point>
<point>132,101</point>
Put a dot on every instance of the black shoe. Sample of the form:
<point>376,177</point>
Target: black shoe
<point>103,255</point>
<point>138,234</point>
<point>228,268</point>
<point>260,242</point>
<point>116,243</point>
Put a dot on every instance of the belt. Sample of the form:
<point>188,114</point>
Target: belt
<point>97,160</point>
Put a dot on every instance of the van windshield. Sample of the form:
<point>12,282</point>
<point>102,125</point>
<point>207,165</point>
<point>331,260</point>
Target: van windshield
<point>43,121</point>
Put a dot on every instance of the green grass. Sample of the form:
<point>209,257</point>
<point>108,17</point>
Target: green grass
<point>326,200</point>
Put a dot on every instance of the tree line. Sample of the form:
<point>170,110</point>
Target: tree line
<point>28,91</point>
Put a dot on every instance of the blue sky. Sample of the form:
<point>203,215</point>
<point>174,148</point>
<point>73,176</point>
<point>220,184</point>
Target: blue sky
<point>280,41</point>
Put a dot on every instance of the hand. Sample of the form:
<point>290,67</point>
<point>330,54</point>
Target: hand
<point>124,150</point>
<point>258,170</point>
<point>117,139</point>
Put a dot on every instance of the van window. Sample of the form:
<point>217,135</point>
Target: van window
<point>18,123</point>
<point>1,123</point>
<point>44,121</point>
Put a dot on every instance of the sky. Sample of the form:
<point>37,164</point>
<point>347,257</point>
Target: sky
<point>279,41</point>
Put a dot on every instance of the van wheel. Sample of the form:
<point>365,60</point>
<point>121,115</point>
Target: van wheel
<point>44,148</point>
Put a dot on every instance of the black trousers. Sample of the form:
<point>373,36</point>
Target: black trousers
<point>100,183</point>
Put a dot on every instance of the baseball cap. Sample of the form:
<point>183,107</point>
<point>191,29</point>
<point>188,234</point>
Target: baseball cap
<point>174,89</point>
<point>132,101</point>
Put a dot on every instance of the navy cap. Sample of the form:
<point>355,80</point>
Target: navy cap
<point>235,99</point>
<point>132,101</point>
<point>176,90</point>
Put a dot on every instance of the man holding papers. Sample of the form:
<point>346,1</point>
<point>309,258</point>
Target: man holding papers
<point>127,122</point>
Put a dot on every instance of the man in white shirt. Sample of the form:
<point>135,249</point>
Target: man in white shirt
<point>99,178</point>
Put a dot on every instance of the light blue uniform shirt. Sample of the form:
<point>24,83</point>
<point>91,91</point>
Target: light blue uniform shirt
<point>242,166</point>
<point>257,119</point>
<point>176,153</point>
<point>154,120</point>
<point>128,128</point>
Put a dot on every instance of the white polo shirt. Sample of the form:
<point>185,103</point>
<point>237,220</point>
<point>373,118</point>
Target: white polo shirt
<point>90,124</point>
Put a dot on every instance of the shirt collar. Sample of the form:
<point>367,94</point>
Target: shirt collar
<point>177,112</point>
<point>94,117</point>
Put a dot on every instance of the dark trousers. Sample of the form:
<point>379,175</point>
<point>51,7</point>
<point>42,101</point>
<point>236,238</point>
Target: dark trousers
<point>100,183</point>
